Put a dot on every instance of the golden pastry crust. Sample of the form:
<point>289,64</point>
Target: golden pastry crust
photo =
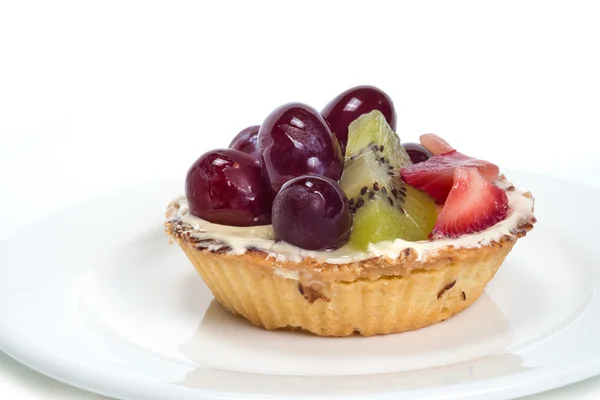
<point>376,296</point>
<point>249,286</point>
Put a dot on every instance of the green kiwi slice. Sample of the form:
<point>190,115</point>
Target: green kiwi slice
<point>384,207</point>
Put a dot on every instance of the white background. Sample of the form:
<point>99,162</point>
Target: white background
<point>99,96</point>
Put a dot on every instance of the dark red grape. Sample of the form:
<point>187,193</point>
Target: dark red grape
<point>295,140</point>
<point>312,212</point>
<point>245,141</point>
<point>417,152</point>
<point>351,104</point>
<point>226,187</point>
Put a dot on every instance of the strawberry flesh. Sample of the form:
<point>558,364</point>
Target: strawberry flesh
<point>435,144</point>
<point>474,204</point>
<point>436,175</point>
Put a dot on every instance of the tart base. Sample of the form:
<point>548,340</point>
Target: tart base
<point>247,286</point>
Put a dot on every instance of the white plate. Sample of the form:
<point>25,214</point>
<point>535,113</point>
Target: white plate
<point>95,297</point>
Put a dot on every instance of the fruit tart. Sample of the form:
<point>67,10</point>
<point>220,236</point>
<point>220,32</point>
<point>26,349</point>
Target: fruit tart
<point>326,222</point>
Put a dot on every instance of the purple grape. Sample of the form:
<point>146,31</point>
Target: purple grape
<point>351,104</point>
<point>245,141</point>
<point>226,187</point>
<point>312,212</point>
<point>417,152</point>
<point>295,140</point>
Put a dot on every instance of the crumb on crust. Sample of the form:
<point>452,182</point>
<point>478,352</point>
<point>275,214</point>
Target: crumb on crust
<point>311,293</point>
<point>446,288</point>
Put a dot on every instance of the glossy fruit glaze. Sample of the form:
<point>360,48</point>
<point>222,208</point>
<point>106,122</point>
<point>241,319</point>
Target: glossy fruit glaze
<point>312,212</point>
<point>295,140</point>
<point>246,141</point>
<point>226,187</point>
<point>351,104</point>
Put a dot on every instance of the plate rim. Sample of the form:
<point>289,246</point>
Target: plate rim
<point>109,386</point>
<point>117,387</point>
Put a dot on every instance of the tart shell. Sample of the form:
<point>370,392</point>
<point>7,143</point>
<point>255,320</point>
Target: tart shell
<point>370,297</point>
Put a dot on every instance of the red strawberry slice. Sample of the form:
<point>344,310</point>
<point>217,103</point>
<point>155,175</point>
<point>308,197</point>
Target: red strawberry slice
<point>436,175</point>
<point>473,205</point>
<point>435,144</point>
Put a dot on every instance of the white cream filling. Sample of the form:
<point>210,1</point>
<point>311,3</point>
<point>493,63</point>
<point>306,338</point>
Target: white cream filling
<point>239,239</point>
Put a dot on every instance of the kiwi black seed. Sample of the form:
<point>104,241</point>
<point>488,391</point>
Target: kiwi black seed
<point>359,203</point>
